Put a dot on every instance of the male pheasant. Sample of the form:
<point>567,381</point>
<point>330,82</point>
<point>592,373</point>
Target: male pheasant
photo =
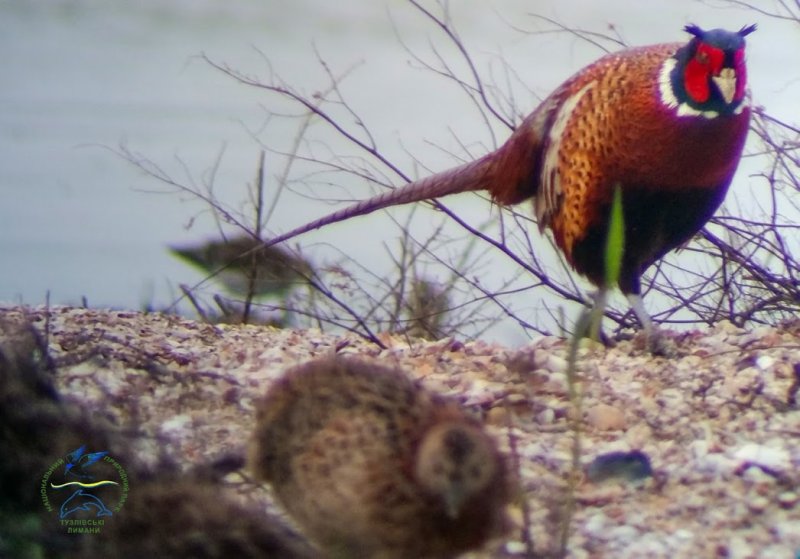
<point>667,123</point>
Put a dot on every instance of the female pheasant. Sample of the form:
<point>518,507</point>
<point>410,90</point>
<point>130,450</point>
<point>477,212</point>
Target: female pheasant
<point>371,465</point>
<point>667,123</point>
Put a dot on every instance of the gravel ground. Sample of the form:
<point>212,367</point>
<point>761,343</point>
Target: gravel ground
<point>719,423</point>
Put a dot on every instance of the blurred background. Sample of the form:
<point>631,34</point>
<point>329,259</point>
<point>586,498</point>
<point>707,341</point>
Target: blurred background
<point>85,82</point>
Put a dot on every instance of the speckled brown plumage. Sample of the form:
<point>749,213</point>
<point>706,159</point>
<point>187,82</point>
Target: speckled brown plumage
<point>370,465</point>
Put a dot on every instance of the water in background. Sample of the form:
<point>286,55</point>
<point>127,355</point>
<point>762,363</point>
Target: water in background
<point>82,78</point>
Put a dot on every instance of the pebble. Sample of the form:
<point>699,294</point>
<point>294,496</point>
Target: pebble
<point>764,362</point>
<point>758,504</point>
<point>546,416</point>
<point>630,466</point>
<point>771,458</point>
<point>555,363</point>
<point>176,424</point>
<point>515,548</point>
<point>596,524</point>
<point>788,499</point>
<point>498,416</point>
<point>604,417</point>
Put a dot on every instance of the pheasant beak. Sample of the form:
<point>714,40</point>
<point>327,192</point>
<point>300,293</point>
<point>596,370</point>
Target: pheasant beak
<point>726,83</point>
<point>454,499</point>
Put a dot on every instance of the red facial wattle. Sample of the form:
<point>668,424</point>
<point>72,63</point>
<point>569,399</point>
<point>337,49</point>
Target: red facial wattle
<point>706,62</point>
<point>706,65</point>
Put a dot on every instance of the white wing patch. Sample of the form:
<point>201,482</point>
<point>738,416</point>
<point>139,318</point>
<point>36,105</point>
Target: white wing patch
<point>550,193</point>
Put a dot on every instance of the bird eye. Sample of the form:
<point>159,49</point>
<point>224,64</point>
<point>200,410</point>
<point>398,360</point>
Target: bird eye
<point>702,57</point>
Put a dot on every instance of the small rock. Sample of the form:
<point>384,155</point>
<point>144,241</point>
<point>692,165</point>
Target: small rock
<point>555,363</point>
<point>498,416</point>
<point>605,418</point>
<point>632,466</point>
<point>758,504</point>
<point>771,459</point>
<point>176,424</point>
<point>788,499</point>
<point>556,384</point>
<point>764,362</point>
<point>546,416</point>
<point>516,548</point>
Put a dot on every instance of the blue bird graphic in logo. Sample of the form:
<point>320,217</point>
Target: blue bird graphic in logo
<point>78,462</point>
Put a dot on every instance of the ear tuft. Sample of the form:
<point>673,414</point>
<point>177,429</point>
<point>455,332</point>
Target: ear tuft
<point>746,30</point>
<point>695,30</point>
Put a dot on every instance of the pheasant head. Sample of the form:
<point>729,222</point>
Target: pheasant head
<point>708,75</point>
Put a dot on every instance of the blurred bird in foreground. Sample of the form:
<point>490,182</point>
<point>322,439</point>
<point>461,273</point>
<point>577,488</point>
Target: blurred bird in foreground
<point>244,266</point>
<point>371,465</point>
